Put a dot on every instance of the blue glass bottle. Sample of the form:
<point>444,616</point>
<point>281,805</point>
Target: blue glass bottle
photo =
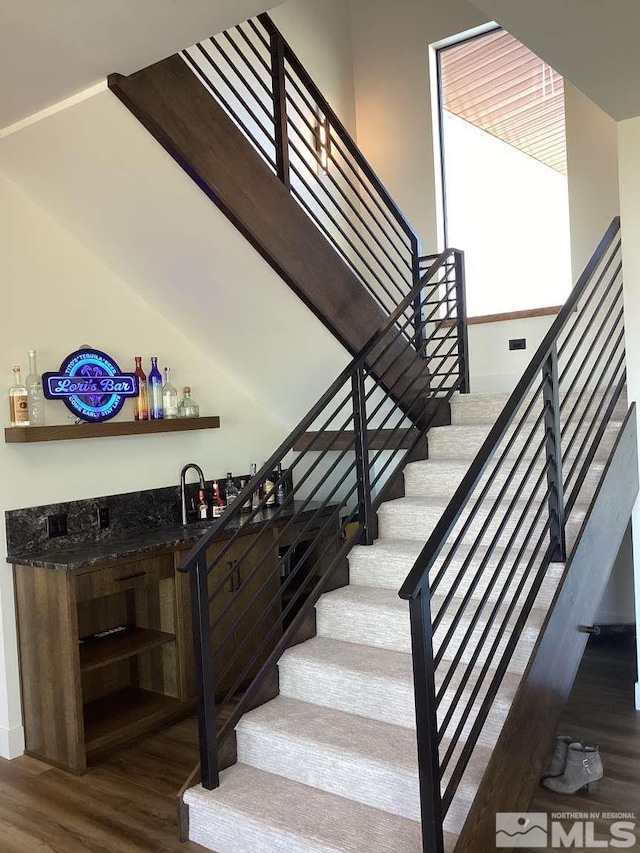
<point>154,381</point>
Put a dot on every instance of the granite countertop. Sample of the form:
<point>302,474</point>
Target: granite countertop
<point>59,556</point>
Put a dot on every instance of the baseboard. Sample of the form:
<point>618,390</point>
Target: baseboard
<point>11,742</point>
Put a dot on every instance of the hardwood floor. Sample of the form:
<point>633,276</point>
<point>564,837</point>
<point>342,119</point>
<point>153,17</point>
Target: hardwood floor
<point>601,712</point>
<point>126,803</point>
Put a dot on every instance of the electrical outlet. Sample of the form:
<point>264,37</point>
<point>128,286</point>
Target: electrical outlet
<point>103,517</point>
<point>517,343</point>
<point>57,525</point>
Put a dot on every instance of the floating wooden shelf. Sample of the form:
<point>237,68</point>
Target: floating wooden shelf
<point>116,647</point>
<point>70,432</point>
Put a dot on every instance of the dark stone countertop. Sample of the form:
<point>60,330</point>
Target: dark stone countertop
<point>93,551</point>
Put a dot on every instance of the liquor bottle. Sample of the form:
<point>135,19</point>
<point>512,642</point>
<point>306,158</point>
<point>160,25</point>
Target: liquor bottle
<point>217,504</point>
<point>35,392</point>
<point>246,506</point>
<point>231,489</point>
<point>269,491</point>
<point>169,396</point>
<point>141,402</point>
<point>188,407</point>
<point>281,489</point>
<point>18,400</point>
<point>255,497</point>
<point>156,412</point>
<point>203,508</point>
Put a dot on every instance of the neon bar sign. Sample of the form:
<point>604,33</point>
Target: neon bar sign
<point>91,385</point>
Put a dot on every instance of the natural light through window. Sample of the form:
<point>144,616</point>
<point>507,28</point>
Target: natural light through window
<point>505,174</point>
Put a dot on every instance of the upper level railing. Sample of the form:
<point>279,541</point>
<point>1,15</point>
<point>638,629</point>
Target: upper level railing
<point>258,80</point>
<point>475,583</point>
<point>257,590</point>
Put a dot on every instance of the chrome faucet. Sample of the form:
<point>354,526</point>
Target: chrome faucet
<point>183,487</point>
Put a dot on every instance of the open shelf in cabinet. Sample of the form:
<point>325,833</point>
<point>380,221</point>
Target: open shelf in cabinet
<point>96,653</point>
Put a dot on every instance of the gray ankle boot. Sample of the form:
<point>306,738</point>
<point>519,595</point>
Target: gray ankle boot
<point>584,767</point>
<point>559,759</point>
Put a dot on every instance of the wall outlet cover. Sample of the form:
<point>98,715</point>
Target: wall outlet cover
<point>57,525</point>
<point>517,343</point>
<point>103,517</point>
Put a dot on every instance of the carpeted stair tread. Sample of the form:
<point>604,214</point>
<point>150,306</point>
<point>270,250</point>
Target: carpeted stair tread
<point>257,812</point>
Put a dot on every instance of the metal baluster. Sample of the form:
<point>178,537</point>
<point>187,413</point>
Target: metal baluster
<point>551,397</point>
<point>426,722</point>
<point>461,315</point>
<point>366,513</point>
<point>420,331</point>
<point>280,107</point>
<point>205,688</point>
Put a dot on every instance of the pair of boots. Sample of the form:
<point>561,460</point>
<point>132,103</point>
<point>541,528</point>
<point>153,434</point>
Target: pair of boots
<point>574,766</point>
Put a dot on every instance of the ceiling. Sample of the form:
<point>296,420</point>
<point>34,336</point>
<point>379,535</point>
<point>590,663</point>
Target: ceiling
<point>51,49</point>
<point>497,84</point>
<point>591,43</point>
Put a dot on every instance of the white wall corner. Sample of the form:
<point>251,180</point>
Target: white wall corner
<point>11,742</point>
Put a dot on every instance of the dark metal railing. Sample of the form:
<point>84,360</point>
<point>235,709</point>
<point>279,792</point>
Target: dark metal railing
<point>252,593</point>
<point>257,78</point>
<point>516,511</point>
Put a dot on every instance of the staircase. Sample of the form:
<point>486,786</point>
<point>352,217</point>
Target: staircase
<point>364,719</point>
<point>331,763</point>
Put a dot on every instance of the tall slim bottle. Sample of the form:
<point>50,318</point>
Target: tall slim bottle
<point>18,401</point>
<point>35,392</point>
<point>141,402</point>
<point>169,396</point>
<point>156,411</point>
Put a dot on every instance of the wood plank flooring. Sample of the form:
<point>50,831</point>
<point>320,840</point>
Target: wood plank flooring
<point>126,803</point>
<point>601,712</point>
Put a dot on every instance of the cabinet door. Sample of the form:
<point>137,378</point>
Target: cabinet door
<point>257,603</point>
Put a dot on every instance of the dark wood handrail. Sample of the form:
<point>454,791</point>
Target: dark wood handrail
<point>417,580</point>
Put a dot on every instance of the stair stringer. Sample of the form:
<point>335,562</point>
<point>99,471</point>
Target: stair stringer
<point>514,769</point>
<point>192,127</point>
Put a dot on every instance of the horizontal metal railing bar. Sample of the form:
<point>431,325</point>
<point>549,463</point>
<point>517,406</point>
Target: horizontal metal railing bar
<point>592,425</point>
<point>305,204</point>
<point>419,575</point>
<point>495,505</point>
<point>491,546</point>
<point>566,420</point>
<point>240,122</point>
<point>200,548</point>
<point>234,91</point>
<point>261,59</point>
<point>358,194</point>
<point>595,288</point>
<point>572,497</point>
<point>578,346</point>
<point>486,488</point>
<point>512,541</point>
<point>324,187</point>
<point>284,641</point>
<point>265,39</point>
<point>463,760</point>
<point>335,122</point>
<point>252,68</point>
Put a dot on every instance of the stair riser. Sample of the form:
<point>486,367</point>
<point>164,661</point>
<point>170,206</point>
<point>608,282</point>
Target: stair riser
<point>440,480</point>
<point>485,409</point>
<point>464,442</point>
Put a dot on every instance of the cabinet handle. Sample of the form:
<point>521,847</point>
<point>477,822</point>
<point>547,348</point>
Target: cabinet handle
<point>230,566</point>
<point>130,577</point>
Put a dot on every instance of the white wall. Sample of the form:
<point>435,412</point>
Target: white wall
<point>56,296</point>
<point>629,167</point>
<point>592,174</point>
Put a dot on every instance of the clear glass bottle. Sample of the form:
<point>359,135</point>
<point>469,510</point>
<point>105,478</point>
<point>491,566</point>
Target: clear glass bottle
<point>35,392</point>
<point>269,491</point>
<point>18,400</point>
<point>141,402</point>
<point>188,407</point>
<point>255,497</point>
<point>232,490</point>
<point>217,504</point>
<point>246,506</point>
<point>203,506</point>
<point>156,412</point>
<point>169,396</point>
